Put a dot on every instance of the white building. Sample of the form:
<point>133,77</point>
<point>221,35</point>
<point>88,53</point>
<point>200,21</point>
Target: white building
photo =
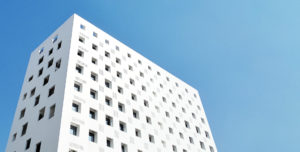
<point>84,91</point>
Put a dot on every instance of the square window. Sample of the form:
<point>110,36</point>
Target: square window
<point>59,45</point>
<point>207,134</point>
<point>24,96</point>
<point>94,47</point>
<point>51,91</point>
<point>124,147</point>
<point>94,61</point>
<point>130,67</point>
<point>121,107</point>
<point>123,126</point>
<point>146,103</point>
<point>109,120</point>
<point>50,51</point>
<point>143,88</point>
<point>191,140</point>
<point>148,120</point>
<point>108,101</point>
<point>30,78</point>
<point>131,81</point>
<point>40,71</point>
<point>32,92</point>
<point>94,76</point>
<point>202,145</point>
<point>79,69</point>
<point>107,54</point>
<point>38,147</point>
<point>77,87</point>
<point>93,94</point>
<point>170,130</point>
<point>41,59</point>
<point>93,113</point>
<point>37,100</point>
<point>109,142</point>
<point>46,79</point>
<point>138,133</point>
<point>52,111</point>
<point>128,55</point>
<point>76,107</point>
<point>151,139</point>
<point>80,53</point>
<point>187,124</point>
<point>95,34</point>
<point>174,148</point>
<point>81,39</point>
<point>50,63</point>
<point>57,64</point>
<point>41,113</point>
<point>211,149</point>
<point>119,74</point>
<point>82,27</point>
<point>24,129</point>
<point>108,83</point>
<point>135,114</point>
<point>133,97</point>
<point>74,129</point>
<point>141,74</point>
<point>28,141</point>
<point>118,61</point>
<point>22,113</point>
<point>106,41</point>
<point>107,68</point>
<point>120,90</point>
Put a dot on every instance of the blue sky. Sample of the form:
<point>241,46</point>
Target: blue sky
<point>242,56</point>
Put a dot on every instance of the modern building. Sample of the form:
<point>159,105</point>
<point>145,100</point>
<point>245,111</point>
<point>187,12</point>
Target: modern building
<point>85,91</point>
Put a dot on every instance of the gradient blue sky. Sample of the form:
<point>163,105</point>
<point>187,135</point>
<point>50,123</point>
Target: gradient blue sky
<point>242,55</point>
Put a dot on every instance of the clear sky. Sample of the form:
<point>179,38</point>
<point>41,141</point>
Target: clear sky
<point>242,55</point>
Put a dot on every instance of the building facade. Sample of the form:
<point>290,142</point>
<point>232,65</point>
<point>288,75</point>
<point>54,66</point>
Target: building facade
<point>84,91</point>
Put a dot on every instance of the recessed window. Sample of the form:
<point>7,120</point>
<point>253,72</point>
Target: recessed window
<point>77,86</point>
<point>93,113</point>
<point>94,76</point>
<point>130,67</point>
<point>138,133</point>
<point>95,34</point>
<point>52,111</point>
<point>121,107</point>
<point>167,114</point>
<point>24,129</point>
<point>94,61</point>
<point>197,130</point>
<point>14,137</point>
<point>148,120</point>
<point>30,78</point>
<point>187,124</point>
<point>79,69</point>
<point>202,120</point>
<point>28,141</point>
<point>109,120</point>
<point>81,39</point>
<point>22,113</point>
<point>57,64</point>
<point>41,113</point>
<point>170,130</point>
<point>143,88</point>
<point>50,63</point>
<point>141,74</point>
<point>122,126</point>
<point>82,27</point>
<point>38,147</point>
<point>93,94</point>
<point>139,61</point>
<point>191,140</point>
<point>59,45</point>
<point>37,100</point>
<point>51,91</point>
<point>117,48</point>
<point>174,148</point>
<point>135,114</point>
<point>32,92</point>
<point>74,129</point>
<point>128,55</point>
<point>107,83</point>
<point>40,71</point>
<point>80,53</point>
<point>133,97</point>
<point>107,68</point>
<point>124,147</point>
<point>207,134</point>
<point>108,101</point>
<point>46,79</point>
<point>151,139</point>
<point>94,47</point>
<point>131,81</point>
<point>202,145</point>
<point>118,61</point>
<point>50,51</point>
<point>106,54</point>
<point>55,39</point>
<point>181,135</point>
<point>76,107</point>
<point>41,59</point>
<point>211,149</point>
<point>120,90</point>
<point>119,74</point>
<point>109,142</point>
<point>106,41</point>
<point>146,103</point>
<point>72,150</point>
